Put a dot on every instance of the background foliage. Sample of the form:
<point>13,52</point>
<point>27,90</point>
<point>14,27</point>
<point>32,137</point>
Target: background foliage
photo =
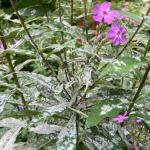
<point>65,81</point>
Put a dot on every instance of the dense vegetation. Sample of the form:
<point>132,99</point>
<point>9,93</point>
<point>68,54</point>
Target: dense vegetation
<point>74,74</point>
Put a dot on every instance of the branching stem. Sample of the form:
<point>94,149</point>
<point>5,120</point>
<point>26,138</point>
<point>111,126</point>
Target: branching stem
<point>12,69</point>
<point>35,45</point>
<point>139,89</point>
<point>136,31</point>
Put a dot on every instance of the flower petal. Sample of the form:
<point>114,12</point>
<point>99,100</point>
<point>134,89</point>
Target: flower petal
<point>97,18</point>
<point>96,9</point>
<point>106,6</point>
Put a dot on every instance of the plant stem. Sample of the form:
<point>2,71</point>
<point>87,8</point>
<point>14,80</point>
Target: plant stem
<point>143,80</point>
<point>29,35</point>
<point>147,47</point>
<point>71,21</point>
<point>139,89</point>
<point>78,112</point>
<point>136,31</point>
<point>67,73</point>
<point>85,20</point>
<point>12,69</point>
<point>130,40</point>
<point>35,45</point>
<point>46,14</point>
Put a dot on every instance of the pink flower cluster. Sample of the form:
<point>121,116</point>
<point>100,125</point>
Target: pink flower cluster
<point>103,13</point>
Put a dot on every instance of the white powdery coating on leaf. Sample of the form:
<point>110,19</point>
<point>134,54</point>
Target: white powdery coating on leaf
<point>45,129</point>
<point>8,139</point>
<point>67,137</point>
<point>3,99</point>
<point>119,63</point>
<point>105,109</point>
<point>12,123</point>
<point>116,68</point>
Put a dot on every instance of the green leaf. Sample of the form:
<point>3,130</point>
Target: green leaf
<point>132,16</point>
<point>3,99</point>
<point>9,138</point>
<point>145,117</point>
<point>68,44</point>
<point>45,129</point>
<point>27,3</point>
<point>12,123</point>
<point>106,108</point>
<point>122,66</point>
<point>24,113</point>
<point>19,52</point>
<point>68,136</point>
<point>41,6</point>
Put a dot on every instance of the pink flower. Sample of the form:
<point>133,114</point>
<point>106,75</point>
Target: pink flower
<point>1,46</point>
<point>138,121</point>
<point>120,118</point>
<point>117,34</point>
<point>15,45</point>
<point>138,146</point>
<point>103,13</point>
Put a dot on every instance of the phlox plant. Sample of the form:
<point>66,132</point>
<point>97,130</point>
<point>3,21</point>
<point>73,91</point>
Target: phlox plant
<point>74,75</point>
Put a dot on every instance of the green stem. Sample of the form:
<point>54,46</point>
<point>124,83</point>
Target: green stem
<point>29,35</point>
<point>67,73</point>
<point>35,45</point>
<point>12,69</point>
<point>46,14</point>
<point>139,89</point>
<point>136,31</point>
<point>71,21</point>
<point>130,40</point>
<point>142,82</point>
<point>85,20</point>
<point>147,48</point>
<point>78,112</point>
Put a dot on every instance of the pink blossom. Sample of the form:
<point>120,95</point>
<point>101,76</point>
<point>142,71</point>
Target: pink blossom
<point>138,121</point>
<point>137,146</point>
<point>117,34</point>
<point>15,45</point>
<point>120,118</point>
<point>126,4</point>
<point>102,13</point>
<point>1,46</point>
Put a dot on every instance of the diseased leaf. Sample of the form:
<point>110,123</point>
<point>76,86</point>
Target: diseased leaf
<point>121,67</point>
<point>45,85</point>
<point>45,129</point>
<point>24,113</point>
<point>19,52</point>
<point>67,137</point>
<point>12,123</point>
<point>106,108</point>
<point>8,139</point>
<point>3,99</point>
<point>68,44</point>
<point>51,110</point>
